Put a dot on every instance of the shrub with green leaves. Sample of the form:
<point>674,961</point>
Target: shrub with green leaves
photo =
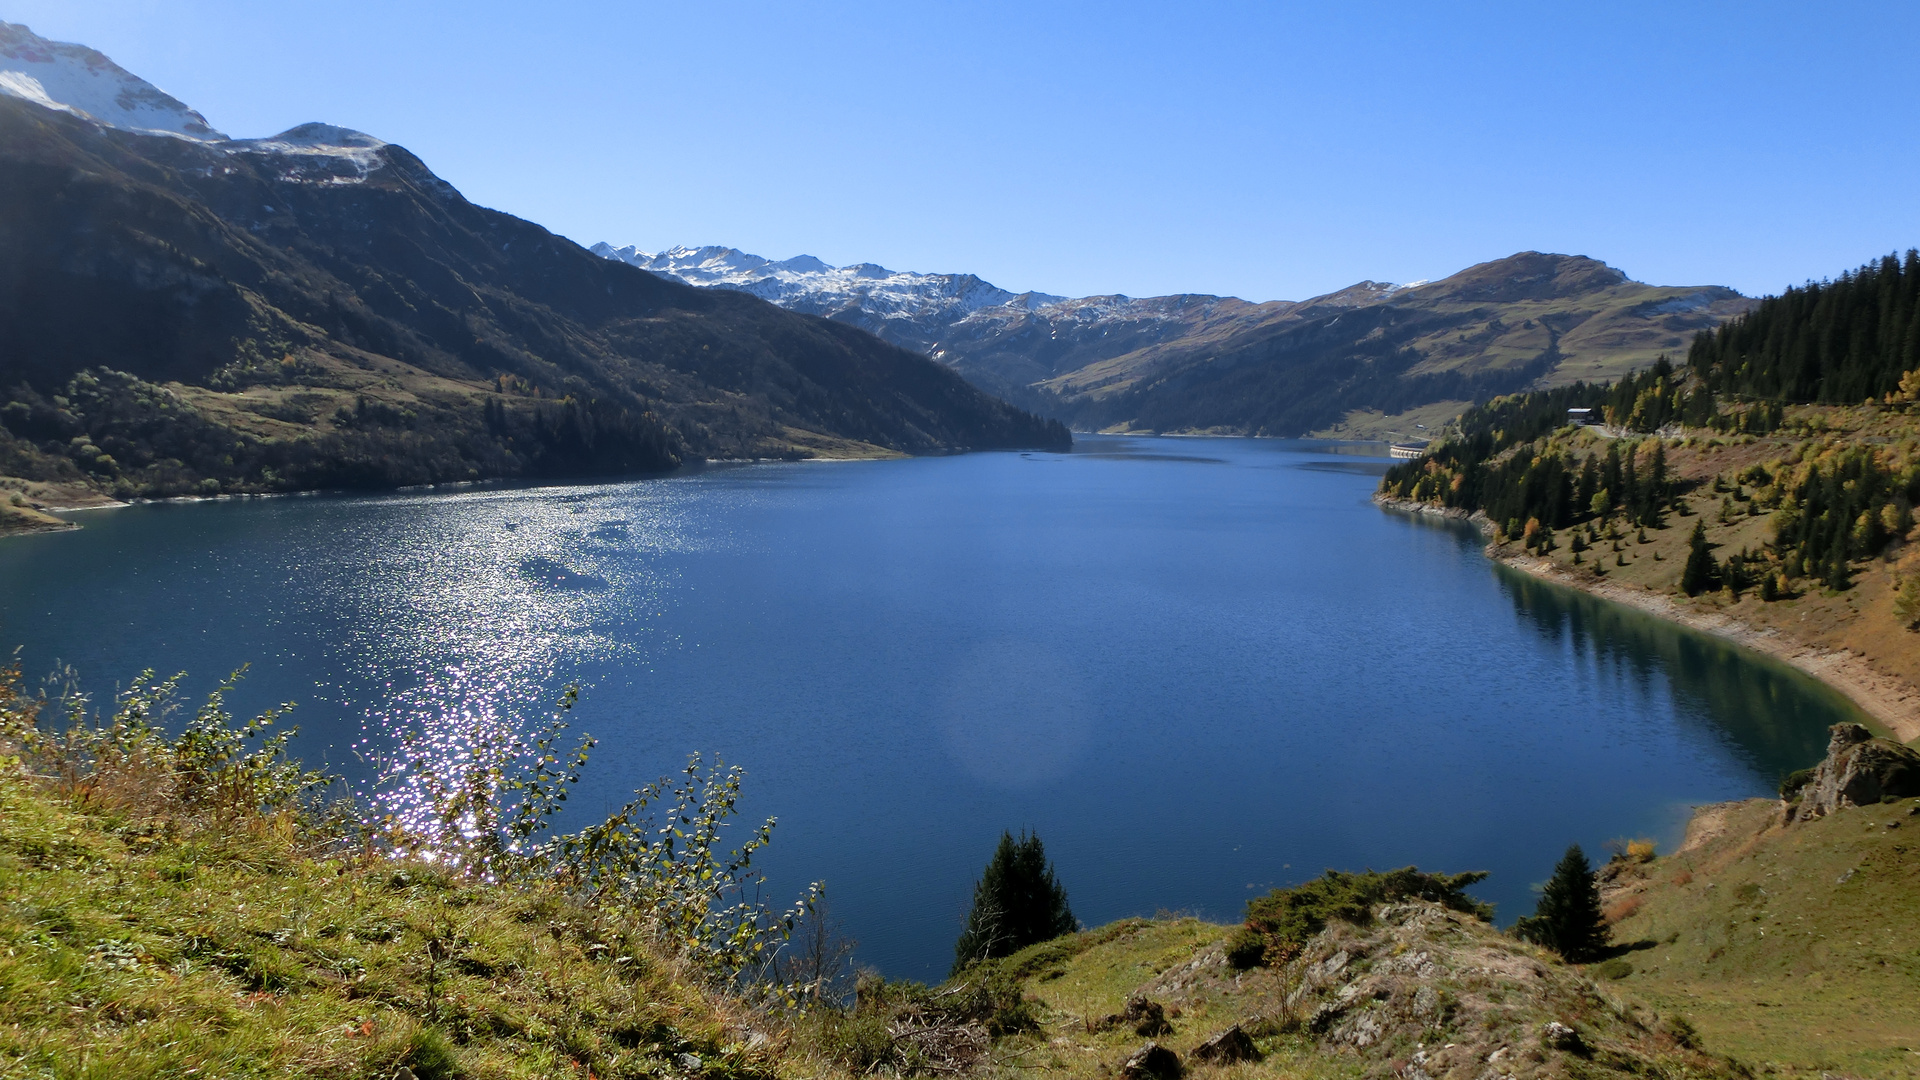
<point>701,897</point>
<point>1795,780</point>
<point>213,767</point>
<point>482,800</point>
<point>1279,923</point>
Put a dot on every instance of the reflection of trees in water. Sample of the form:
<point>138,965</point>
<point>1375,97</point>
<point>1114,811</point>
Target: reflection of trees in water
<point>1771,717</point>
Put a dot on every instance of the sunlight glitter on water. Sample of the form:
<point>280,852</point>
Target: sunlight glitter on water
<point>1191,666</point>
<point>477,604</point>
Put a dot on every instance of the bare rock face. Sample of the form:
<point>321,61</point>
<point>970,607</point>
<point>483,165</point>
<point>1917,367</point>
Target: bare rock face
<point>1417,992</point>
<point>1144,1015</point>
<point>1227,1047</point>
<point>1559,1036</point>
<point>1147,1017</point>
<point>1152,1062</point>
<point>1859,770</point>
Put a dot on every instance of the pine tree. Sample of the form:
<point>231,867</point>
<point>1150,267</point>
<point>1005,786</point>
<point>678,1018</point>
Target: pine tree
<point>1697,577</point>
<point>1654,488</point>
<point>1588,487</point>
<point>1018,902</point>
<point>1567,919</point>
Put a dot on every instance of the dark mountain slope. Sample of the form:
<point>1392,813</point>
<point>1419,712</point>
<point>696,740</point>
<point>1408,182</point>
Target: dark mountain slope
<point>325,266</point>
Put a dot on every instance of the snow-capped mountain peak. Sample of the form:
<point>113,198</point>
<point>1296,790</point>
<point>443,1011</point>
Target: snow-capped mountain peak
<point>904,307</point>
<point>82,81</point>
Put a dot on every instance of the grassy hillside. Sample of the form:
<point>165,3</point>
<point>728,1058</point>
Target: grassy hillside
<point>1795,948</point>
<point>181,904</point>
<point>1416,990</point>
<point>186,902</point>
<point>138,945</point>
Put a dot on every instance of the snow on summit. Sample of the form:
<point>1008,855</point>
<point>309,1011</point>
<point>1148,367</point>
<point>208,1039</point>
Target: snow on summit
<point>85,83</point>
<point>79,80</point>
<point>805,283</point>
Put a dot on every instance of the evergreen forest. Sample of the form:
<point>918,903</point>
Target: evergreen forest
<point>1533,470</point>
<point>1834,342</point>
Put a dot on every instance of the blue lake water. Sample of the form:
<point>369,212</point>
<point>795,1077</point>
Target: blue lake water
<point>1198,668</point>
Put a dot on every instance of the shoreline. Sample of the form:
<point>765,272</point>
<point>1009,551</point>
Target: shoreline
<point>1892,703</point>
<point>692,465</point>
<point>37,528</point>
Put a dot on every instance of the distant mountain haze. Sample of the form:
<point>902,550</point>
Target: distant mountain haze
<point>1192,363</point>
<point>324,302</point>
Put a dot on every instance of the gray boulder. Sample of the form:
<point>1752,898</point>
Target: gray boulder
<point>1152,1062</point>
<point>1144,1015</point>
<point>1859,770</point>
<point>1227,1047</point>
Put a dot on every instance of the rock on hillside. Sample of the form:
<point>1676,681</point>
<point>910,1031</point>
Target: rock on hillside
<point>1859,770</point>
<point>1420,993</point>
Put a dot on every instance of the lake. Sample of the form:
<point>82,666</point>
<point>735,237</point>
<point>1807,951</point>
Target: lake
<point>1198,668</point>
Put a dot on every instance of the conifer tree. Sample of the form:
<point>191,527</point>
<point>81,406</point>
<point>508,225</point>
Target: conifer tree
<point>1588,487</point>
<point>1610,477</point>
<point>1697,577</point>
<point>1656,485</point>
<point>1567,919</point>
<point>1832,341</point>
<point>1017,902</point>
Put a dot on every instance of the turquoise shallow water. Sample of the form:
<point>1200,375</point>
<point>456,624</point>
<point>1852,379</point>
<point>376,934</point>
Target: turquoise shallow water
<point>1199,668</point>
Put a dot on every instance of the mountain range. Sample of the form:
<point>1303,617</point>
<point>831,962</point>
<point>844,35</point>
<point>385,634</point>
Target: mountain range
<point>1364,360</point>
<point>182,311</point>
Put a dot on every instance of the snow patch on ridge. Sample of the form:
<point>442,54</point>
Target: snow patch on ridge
<point>318,153</point>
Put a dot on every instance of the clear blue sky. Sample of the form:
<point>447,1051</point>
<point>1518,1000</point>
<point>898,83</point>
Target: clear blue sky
<point>1270,151</point>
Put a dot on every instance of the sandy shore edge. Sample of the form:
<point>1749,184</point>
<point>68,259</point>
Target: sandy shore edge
<point>35,528</point>
<point>1892,702</point>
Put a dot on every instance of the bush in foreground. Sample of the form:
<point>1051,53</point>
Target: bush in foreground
<point>188,905</point>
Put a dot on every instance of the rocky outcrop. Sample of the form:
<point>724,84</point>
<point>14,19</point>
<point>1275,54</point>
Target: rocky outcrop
<point>1859,770</point>
<point>1228,1047</point>
<point>1144,1015</point>
<point>1152,1062</point>
<point>1423,992</point>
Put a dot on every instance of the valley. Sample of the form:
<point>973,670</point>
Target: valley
<point>461,612</point>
